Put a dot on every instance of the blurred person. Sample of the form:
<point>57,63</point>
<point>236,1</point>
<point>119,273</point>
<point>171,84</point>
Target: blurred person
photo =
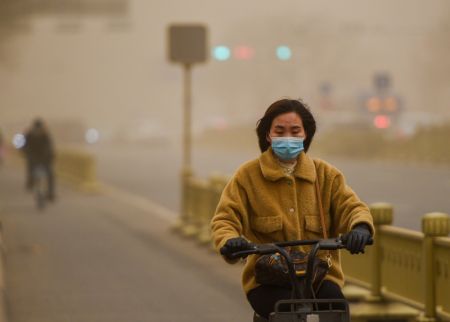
<point>38,150</point>
<point>274,198</point>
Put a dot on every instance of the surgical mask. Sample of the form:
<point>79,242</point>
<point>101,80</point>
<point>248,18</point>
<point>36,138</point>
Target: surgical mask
<point>287,147</point>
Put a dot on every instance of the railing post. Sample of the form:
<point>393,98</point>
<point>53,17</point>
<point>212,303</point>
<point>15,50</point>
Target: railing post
<point>434,224</point>
<point>215,186</point>
<point>382,214</point>
<point>186,175</point>
<point>195,187</point>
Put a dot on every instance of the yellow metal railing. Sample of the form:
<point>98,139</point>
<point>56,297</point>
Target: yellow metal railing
<point>442,255</point>
<point>77,167</point>
<point>407,266</point>
<point>71,164</point>
<point>401,264</point>
<point>200,198</point>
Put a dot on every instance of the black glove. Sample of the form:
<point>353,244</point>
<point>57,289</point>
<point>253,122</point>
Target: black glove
<point>234,245</point>
<point>357,238</point>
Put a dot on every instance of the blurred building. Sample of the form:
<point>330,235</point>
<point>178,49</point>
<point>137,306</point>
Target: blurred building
<point>16,9</point>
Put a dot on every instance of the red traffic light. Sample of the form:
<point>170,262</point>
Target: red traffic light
<point>382,121</point>
<point>243,52</point>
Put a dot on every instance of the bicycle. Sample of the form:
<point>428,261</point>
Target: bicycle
<point>303,307</point>
<point>39,174</point>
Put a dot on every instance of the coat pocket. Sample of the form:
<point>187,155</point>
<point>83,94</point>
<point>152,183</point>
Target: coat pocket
<point>267,224</point>
<point>312,223</point>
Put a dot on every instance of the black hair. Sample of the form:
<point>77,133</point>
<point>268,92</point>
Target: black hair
<point>281,107</point>
<point>38,123</point>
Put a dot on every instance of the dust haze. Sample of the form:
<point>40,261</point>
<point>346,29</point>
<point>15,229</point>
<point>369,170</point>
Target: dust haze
<point>111,72</point>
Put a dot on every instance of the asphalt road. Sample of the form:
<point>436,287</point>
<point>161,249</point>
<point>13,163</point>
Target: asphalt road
<point>153,172</point>
<point>100,258</point>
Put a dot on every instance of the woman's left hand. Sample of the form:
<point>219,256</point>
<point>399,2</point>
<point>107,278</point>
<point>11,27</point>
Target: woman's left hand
<point>357,238</point>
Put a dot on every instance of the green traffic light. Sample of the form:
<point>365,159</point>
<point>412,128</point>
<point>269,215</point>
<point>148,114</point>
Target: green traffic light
<point>221,53</point>
<point>284,53</point>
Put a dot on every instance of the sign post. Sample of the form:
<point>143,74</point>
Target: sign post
<point>187,44</point>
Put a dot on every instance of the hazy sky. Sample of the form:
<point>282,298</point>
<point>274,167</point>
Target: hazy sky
<point>110,77</point>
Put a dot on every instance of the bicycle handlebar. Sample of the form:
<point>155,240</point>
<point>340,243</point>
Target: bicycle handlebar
<point>318,244</point>
<point>263,249</point>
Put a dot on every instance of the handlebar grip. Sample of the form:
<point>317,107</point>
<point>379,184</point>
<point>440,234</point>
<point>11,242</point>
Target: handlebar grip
<point>242,253</point>
<point>344,240</point>
<point>223,251</point>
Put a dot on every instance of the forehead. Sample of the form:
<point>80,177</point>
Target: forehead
<point>287,119</point>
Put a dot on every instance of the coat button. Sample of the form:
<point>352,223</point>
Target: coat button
<point>289,182</point>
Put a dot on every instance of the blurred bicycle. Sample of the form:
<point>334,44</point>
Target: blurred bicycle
<point>39,189</point>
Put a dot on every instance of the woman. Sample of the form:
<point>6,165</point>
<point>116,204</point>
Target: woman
<point>273,198</point>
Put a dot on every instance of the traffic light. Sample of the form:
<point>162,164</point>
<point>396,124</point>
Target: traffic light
<point>243,52</point>
<point>386,105</point>
<point>382,121</point>
<point>391,104</point>
<point>383,110</point>
<point>221,53</point>
<point>247,52</point>
<point>283,53</point>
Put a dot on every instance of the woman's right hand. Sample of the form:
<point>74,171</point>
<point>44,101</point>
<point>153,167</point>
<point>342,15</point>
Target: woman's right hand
<point>234,245</point>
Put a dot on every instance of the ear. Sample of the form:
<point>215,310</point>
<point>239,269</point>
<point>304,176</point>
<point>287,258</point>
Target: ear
<point>268,138</point>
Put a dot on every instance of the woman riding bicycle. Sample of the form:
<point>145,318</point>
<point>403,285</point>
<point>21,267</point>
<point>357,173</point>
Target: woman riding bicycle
<point>274,198</point>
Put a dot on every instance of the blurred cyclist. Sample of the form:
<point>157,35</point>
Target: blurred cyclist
<point>38,150</point>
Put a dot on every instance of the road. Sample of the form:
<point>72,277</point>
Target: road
<point>153,172</point>
<point>99,258</point>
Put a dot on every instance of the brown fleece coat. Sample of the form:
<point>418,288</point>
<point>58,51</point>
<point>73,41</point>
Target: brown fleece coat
<point>264,205</point>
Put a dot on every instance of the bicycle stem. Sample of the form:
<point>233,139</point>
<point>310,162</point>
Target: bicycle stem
<point>292,274</point>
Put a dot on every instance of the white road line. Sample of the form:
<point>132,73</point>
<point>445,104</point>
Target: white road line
<point>140,203</point>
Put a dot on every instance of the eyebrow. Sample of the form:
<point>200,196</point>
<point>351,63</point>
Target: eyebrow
<point>293,127</point>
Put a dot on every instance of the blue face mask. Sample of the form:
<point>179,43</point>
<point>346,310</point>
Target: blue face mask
<point>287,147</point>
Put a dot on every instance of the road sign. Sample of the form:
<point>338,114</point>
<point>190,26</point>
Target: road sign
<point>187,43</point>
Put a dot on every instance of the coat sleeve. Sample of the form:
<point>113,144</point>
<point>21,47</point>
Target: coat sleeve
<point>227,221</point>
<point>346,207</point>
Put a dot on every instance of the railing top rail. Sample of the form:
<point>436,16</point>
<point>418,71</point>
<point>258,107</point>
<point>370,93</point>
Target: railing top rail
<point>401,232</point>
<point>442,241</point>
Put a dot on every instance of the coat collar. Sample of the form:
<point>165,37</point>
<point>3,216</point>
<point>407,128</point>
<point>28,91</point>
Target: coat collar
<point>272,171</point>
